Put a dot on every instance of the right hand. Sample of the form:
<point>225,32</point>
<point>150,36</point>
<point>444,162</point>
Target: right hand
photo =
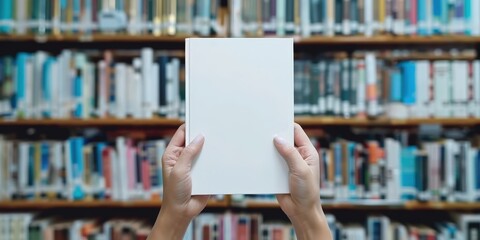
<point>302,205</point>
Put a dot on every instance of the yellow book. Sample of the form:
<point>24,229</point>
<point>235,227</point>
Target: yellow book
<point>56,17</point>
<point>69,16</point>
<point>259,19</point>
<point>297,17</point>
<point>381,14</point>
<point>157,18</point>
<point>171,16</point>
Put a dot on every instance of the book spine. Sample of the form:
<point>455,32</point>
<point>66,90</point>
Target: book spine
<point>368,16</point>
<point>305,18</point>
<point>371,84</point>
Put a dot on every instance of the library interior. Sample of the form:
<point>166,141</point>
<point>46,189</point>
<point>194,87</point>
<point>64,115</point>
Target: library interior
<point>92,92</point>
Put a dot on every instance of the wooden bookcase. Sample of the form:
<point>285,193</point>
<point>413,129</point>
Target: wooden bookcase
<point>13,44</point>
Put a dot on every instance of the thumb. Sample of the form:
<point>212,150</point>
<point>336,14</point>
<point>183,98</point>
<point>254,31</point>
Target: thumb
<point>295,162</point>
<point>190,153</point>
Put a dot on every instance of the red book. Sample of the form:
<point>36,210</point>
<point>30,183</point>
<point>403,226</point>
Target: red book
<point>413,15</point>
<point>277,233</point>
<point>107,171</point>
<point>242,229</point>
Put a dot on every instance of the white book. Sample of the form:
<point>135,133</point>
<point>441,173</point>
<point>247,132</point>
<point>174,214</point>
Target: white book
<point>361,88</point>
<point>235,93</point>
<point>155,92</point>
<point>441,85</point>
<point>122,185</point>
<point>131,91</point>
<point>29,90</point>
<point>137,89</point>
<point>305,17</point>
<point>475,18</point>
<point>393,149</point>
<point>147,65</point>
<point>120,90</point>
<point>369,24</point>
<point>470,175</point>
<point>21,17</point>
<point>102,89</point>
<point>422,76</point>
<point>459,89</point>
<point>236,18</point>
<point>281,18</point>
<point>451,150</point>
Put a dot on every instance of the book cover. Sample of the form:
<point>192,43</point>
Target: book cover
<point>252,62</point>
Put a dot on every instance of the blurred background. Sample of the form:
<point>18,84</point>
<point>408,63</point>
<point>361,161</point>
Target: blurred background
<point>92,90</point>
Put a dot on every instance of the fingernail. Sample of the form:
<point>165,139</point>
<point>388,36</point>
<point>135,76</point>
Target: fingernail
<point>197,139</point>
<point>280,140</point>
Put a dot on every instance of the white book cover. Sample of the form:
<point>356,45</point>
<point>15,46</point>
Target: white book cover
<point>147,65</point>
<point>120,90</point>
<point>230,100</point>
<point>422,94</point>
<point>441,84</point>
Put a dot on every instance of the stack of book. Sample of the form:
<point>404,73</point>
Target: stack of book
<point>159,17</point>
<point>79,169</point>
<point>371,86</point>
<point>354,17</point>
<point>71,85</point>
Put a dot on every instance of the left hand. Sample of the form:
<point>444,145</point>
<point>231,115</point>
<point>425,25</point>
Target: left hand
<point>179,207</point>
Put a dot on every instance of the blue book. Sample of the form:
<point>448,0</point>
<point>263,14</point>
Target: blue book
<point>6,17</point>
<point>352,186</point>
<point>437,15</point>
<point>408,82</point>
<point>477,171</point>
<point>76,156</point>
<point>20,82</point>
<point>467,16</point>
<point>407,169</point>
<point>337,155</point>
<point>47,85</point>
<point>396,86</point>
<point>77,93</point>
<point>98,167</point>
<point>422,18</point>
<point>44,163</point>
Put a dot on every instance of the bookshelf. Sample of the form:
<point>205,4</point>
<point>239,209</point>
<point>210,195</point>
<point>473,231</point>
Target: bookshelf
<point>227,204</point>
<point>55,204</point>
<point>177,41</point>
<point>306,122</point>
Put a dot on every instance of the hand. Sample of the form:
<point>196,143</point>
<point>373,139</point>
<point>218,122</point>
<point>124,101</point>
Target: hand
<point>179,207</point>
<point>302,205</point>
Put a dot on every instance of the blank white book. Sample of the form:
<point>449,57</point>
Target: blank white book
<point>239,95</point>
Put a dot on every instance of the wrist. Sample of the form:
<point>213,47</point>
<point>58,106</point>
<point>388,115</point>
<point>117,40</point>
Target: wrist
<point>311,225</point>
<point>169,226</point>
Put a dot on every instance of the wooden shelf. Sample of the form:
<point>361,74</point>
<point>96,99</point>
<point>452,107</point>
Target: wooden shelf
<point>307,122</point>
<point>363,205</point>
<point>110,122</point>
<point>353,122</point>
<point>125,40</point>
<point>376,205</point>
<point>55,204</point>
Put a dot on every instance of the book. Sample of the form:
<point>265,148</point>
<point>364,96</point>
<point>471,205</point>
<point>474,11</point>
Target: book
<point>264,58</point>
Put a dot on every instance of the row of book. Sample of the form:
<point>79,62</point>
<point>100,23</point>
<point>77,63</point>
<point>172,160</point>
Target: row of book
<point>156,17</point>
<point>371,86</point>
<point>389,172</point>
<point>83,169</point>
<point>353,17</point>
<point>79,169</point>
<point>208,226</point>
<point>75,84</point>
<point>465,227</point>
<point>71,85</point>
<point>204,227</point>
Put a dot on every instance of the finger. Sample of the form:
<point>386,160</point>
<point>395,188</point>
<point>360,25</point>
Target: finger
<point>178,139</point>
<point>190,153</point>
<point>294,160</point>
<point>302,141</point>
